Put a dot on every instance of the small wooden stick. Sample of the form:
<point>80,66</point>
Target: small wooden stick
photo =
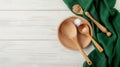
<point>102,28</point>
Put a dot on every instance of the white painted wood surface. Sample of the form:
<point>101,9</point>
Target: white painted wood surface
<point>28,37</point>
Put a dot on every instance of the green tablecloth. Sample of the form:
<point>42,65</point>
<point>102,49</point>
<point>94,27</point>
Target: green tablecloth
<point>104,12</point>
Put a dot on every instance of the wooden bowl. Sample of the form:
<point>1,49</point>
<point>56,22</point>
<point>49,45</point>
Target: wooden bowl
<point>84,41</point>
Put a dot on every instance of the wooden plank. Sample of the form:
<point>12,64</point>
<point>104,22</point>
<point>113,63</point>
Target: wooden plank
<point>36,25</point>
<point>34,18</point>
<point>27,5</point>
<point>38,54</point>
<point>32,5</point>
<point>117,5</point>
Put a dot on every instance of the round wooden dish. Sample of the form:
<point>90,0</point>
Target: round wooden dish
<point>84,41</point>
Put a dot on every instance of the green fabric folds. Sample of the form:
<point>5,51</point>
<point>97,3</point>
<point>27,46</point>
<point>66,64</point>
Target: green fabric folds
<point>104,12</point>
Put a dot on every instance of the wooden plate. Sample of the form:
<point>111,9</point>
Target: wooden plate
<point>84,41</point>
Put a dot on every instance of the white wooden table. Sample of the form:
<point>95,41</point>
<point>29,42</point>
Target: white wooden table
<point>28,31</point>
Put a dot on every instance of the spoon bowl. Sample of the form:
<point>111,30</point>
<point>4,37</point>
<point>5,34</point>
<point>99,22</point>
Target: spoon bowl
<point>69,29</point>
<point>77,9</point>
<point>84,29</point>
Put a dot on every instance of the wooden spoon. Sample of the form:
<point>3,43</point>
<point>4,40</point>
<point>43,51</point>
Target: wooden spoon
<point>84,29</point>
<point>70,31</point>
<point>78,10</point>
<point>102,28</point>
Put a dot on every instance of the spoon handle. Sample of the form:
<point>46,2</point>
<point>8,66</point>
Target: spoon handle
<point>102,28</point>
<point>96,44</point>
<point>81,51</point>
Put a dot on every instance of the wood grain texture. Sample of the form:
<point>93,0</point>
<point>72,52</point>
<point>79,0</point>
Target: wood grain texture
<point>30,24</point>
<point>37,54</point>
<point>28,37</point>
<point>32,5</point>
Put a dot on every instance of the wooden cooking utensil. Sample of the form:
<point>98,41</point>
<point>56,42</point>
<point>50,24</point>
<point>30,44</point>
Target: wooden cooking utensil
<point>102,28</point>
<point>78,10</point>
<point>70,31</point>
<point>83,40</point>
<point>84,29</point>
